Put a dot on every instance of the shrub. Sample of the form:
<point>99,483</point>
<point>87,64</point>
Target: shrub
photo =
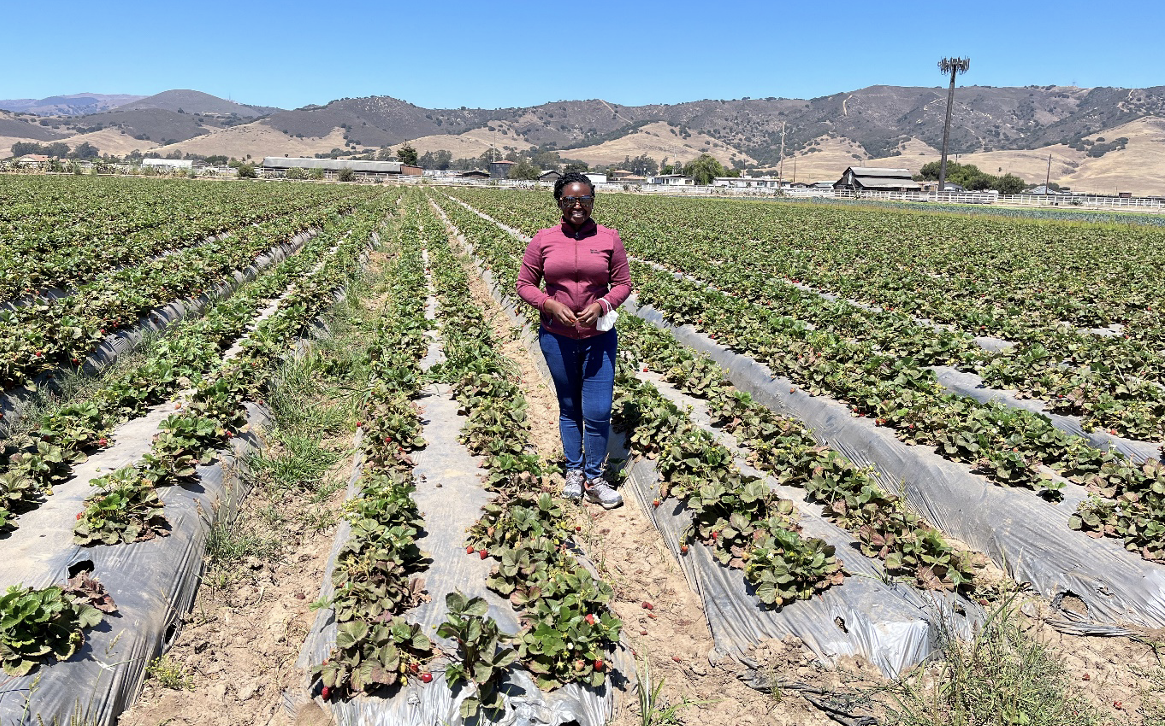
<point>247,171</point>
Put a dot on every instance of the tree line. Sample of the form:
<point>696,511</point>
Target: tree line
<point>57,150</point>
<point>971,178</point>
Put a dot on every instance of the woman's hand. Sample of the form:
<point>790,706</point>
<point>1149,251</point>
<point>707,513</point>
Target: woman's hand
<point>590,315</point>
<point>561,313</point>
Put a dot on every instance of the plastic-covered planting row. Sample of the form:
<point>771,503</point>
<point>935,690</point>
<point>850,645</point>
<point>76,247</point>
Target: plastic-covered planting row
<point>892,624</point>
<point>1023,534</point>
<point>451,496</point>
<point>13,402</point>
<point>153,581</point>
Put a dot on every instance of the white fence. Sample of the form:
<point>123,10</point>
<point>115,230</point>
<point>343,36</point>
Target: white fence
<point>1139,204</point>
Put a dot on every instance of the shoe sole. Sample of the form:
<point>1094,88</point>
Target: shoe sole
<point>612,505</point>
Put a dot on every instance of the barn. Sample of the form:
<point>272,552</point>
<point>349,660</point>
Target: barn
<point>874,179</point>
<point>278,166</point>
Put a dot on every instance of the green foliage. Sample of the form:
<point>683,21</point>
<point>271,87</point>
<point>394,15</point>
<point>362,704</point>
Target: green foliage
<point>407,154</point>
<point>482,656</point>
<point>970,177</point>
<point>704,168</point>
<point>247,171</point>
<point>524,169</point>
<point>38,624</point>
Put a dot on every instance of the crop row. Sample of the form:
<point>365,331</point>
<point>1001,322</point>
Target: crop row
<point>568,628</point>
<point>1010,446</point>
<point>125,506</point>
<point>64,257</point>
<point>744,523</point>
<point>1009,275</point>
<point>374,580</point>
<point>32,463</point>
<point>850,495</point>
<point>1112,381</point>
<point>60,333</point>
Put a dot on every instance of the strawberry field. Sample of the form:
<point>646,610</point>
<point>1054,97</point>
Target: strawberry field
<point>834,424</point>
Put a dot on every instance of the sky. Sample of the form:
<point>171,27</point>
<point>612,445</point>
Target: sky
<point>448,53</point>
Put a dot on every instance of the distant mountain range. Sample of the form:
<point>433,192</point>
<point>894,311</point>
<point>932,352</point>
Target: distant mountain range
<point>78,104</point>
<point>998,127</point>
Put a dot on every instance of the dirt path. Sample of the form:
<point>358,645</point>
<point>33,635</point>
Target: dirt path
<point>672,638</point>
<point>236,653</point>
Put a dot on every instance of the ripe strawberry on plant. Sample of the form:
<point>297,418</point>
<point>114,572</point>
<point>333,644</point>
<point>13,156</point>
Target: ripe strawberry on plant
<point>426,677</point>
<point>590,619</point>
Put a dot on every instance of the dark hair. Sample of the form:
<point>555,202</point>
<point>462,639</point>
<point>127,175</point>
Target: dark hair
<point>571,177</point>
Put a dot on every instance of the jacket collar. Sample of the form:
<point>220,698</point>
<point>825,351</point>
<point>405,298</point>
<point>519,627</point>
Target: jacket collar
<point>588,229</point>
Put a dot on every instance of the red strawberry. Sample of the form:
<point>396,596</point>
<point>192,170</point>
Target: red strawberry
<point>655,503</point>
<point>590,619</point>
<point>683,549</point>
<point>80,514</point>
<point>648,606</point>
<point>426,677</point>
<point>715,534</point>
<point>483,554</point>
<point>102,442</point>
<point>414,667</point>
<point>325,693</point>
<point>1118,705</point>
<point>469,550</point>
<point>598,664</point>
<point>578,528</point>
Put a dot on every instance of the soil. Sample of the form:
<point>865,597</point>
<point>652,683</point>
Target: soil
<point>673,638</point>
<point>239,645</point>
<point>241,641</point>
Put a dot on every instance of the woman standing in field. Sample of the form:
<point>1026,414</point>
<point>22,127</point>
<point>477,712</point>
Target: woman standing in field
<point>587,276</point>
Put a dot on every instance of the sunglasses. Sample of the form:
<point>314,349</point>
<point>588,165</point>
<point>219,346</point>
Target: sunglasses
<point>569,202</point>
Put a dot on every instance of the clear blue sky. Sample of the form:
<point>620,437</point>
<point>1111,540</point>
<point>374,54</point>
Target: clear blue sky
<point>493,54</point>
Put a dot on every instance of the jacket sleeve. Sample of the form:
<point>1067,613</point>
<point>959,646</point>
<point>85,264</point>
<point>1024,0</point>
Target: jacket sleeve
<point>620,281</point>
<point>530,274</point>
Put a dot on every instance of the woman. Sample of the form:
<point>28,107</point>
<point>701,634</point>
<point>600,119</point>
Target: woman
<point>587,275</point>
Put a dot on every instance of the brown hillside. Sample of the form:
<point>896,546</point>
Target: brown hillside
<point>659,141</point>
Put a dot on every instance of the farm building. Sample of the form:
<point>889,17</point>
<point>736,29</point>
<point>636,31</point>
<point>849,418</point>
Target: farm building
<point>550,176</point>
<point>168,164</point>
<point>474,174</point>
<point>616,175</point>
<point>874,179</point>
<point>671,180</point>
<point>33,161</point>
<point>500,169</point>
<point>278,166</point>
<point>595,177</point>
<point>745,182</point>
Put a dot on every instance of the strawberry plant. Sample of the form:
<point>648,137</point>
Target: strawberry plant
<point>125,509</point>
<point>370,656</point>
<point>50,622</point>
<point>482,655</point>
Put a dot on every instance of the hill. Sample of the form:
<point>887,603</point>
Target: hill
<point>191,102</point>
<point>77,104</point>
<point>1098,138</point>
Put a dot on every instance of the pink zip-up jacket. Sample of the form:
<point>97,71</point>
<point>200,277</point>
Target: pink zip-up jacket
<point>580,267</point>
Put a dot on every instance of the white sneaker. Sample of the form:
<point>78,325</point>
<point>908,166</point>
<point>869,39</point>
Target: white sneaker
<point>599,492</point>
<point>573,489</point>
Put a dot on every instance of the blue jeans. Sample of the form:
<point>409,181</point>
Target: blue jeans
<point>584,379</point>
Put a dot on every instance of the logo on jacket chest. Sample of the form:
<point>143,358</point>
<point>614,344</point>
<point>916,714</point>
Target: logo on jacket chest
<point>598,252</point>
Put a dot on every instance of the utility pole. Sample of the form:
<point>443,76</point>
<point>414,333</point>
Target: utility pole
<point>781,168</point>
<point>953,66</point>
<point>1048,178</point>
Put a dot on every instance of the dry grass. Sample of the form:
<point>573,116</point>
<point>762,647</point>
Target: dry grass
<point>258,140</point>
<point>657,141</point>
